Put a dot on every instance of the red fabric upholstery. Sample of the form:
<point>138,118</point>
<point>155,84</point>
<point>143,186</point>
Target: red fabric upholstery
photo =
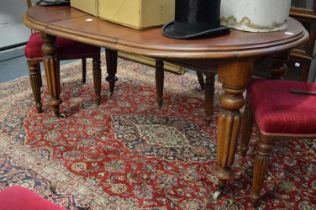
<point>19,198</point>
<point>277,111</point>
<point>66,49</point>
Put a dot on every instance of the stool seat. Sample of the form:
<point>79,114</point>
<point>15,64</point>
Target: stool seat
<point>19,198</point>
<point>66,49</point>
<point>278,111</point>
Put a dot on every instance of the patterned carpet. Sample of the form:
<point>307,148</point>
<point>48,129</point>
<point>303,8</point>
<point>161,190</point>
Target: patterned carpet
<point>128,154</point>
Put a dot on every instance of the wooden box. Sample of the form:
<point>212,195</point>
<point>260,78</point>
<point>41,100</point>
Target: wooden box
<point>138,14</point>
<point>88,6</point>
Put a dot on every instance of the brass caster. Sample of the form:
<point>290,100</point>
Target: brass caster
<point>216,194</point>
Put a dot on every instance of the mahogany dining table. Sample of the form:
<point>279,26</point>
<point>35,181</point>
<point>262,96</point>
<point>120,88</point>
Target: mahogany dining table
<point>234,55</point>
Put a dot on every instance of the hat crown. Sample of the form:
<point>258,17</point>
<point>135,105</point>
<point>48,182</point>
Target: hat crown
<point>195,19</point>
<point>197,11</point>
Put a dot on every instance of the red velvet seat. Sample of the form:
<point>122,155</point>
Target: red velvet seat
<point>19,198</point>
<point>278,112</point>
<point>66,49</point>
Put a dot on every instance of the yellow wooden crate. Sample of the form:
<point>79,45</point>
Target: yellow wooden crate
<point>88,6</point>
<point>138,14</point>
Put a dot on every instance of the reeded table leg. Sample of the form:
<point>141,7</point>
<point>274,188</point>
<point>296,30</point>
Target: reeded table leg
<point>51,65</point>
<point>111,66</point>
<point>234,75</point>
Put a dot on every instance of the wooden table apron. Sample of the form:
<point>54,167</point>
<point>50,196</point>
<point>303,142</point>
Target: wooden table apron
<point>234,54</point>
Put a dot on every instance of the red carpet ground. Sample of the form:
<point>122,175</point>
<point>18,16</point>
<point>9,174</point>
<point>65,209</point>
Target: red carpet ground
<point>128,154</point>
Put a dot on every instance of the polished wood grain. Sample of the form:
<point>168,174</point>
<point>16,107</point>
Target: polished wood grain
<point>234,54</point>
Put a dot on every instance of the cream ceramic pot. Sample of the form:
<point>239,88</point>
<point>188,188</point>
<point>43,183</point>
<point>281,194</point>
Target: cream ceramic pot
<point>255,15</point>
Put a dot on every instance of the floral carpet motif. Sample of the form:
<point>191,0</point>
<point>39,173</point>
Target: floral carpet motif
<point>129,154</point>
<point>165,137</point>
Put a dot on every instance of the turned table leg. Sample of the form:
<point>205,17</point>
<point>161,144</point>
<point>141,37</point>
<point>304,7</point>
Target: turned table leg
<point>111,66</point>
<point>160,74</point>
<point>234,75</point>
<point>51,65</point>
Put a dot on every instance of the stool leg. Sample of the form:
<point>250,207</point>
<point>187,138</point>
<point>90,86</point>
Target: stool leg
<point>200,79</point>
<point>35,80</point>
<point>245,130</point>
<point>97,78</point>
<point>209,96</point>
<point>160,74</point>
<point>260,167</point>
<point>84,70</point>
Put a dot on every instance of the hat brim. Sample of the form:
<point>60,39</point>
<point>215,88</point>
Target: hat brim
<point>168,31</point>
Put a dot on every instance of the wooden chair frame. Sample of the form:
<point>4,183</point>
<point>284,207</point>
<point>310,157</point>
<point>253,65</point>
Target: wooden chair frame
<point>36,78</point>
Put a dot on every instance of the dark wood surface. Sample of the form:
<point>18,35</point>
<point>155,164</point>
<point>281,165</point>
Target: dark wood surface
<point>73,24</point>
<point>234,53</point>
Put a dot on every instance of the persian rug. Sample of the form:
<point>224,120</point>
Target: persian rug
<point>129,154</point>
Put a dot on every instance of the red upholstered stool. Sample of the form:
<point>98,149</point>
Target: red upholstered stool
<point>66,49</point>
<point>280,109</point>
<point>19,198</point>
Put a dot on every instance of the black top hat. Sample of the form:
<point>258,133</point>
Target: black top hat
<point>195,19</point>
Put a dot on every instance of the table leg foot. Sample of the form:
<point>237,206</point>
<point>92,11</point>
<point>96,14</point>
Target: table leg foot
<point>60,115</point>
<point>220,191</point>
<point>111,81</point>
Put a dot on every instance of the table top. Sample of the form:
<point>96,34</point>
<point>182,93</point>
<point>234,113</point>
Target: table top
<point>71,23</point>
